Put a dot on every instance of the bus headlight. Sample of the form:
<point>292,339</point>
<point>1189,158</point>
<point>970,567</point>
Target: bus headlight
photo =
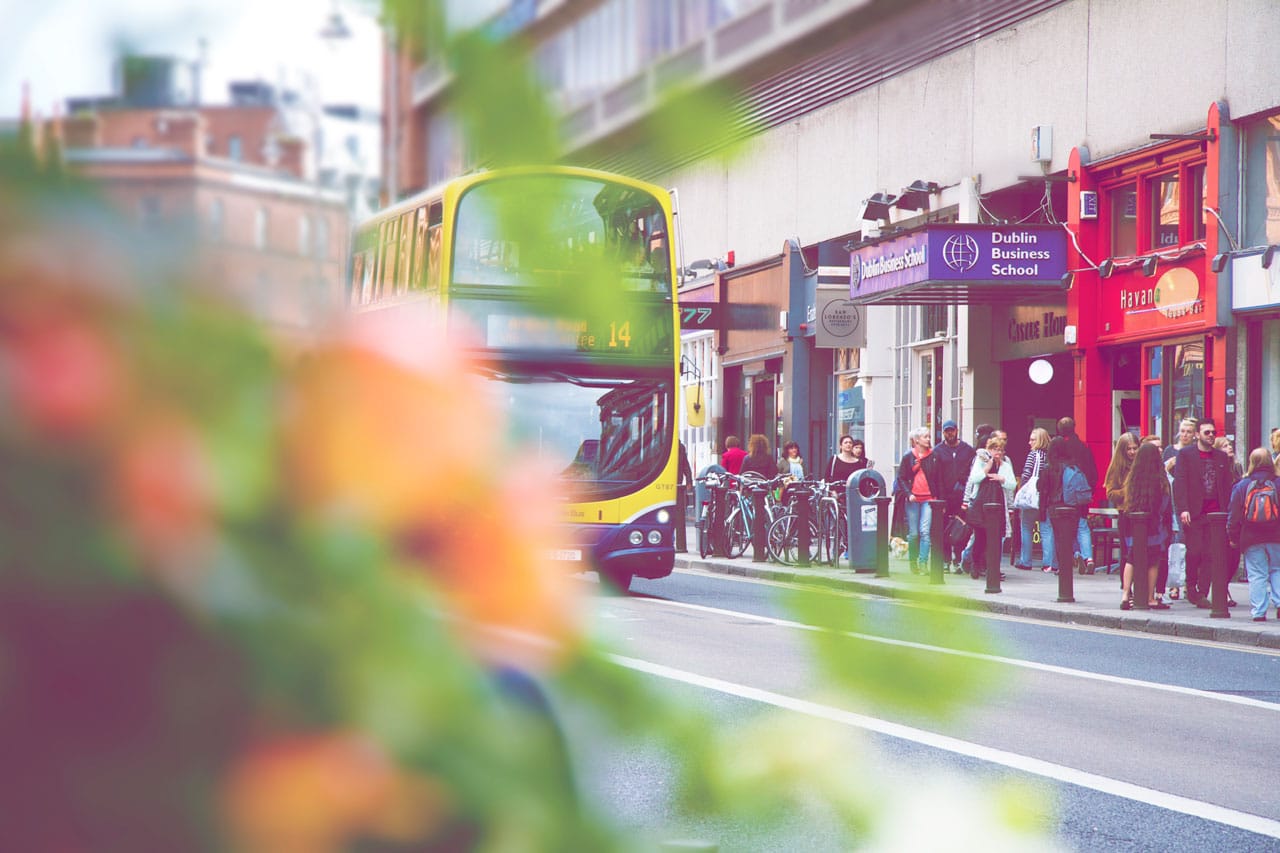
<point>663,516</point>
<point>636,537</point>
<point>655,537</point>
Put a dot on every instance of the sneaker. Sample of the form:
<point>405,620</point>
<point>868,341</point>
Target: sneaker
<point>844,555</point>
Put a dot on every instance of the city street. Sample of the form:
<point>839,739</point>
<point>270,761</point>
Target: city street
<point>1144,742</point>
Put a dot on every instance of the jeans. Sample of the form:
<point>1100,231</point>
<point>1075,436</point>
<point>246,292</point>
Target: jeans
<point>1199,567</point>
<point>1262,563</point>
<point>1084,540</point>
<point>1028,518</point>
<point>919,518</point>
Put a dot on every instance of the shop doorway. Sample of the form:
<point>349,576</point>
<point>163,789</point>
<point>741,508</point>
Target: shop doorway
<point>1027,403</point>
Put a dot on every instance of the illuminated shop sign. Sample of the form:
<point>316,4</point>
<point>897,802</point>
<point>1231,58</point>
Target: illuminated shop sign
<point>961,254</point>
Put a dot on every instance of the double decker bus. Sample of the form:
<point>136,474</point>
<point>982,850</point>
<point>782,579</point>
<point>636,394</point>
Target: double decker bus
<point>558,282</point>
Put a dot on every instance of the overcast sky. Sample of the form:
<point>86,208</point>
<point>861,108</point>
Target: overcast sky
<point>66,48</point>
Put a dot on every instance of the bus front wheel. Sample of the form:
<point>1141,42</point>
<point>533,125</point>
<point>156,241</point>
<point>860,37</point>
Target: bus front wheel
<point>617,580</point>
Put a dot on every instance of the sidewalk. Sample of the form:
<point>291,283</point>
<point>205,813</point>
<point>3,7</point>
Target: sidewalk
<point>1030,594</point>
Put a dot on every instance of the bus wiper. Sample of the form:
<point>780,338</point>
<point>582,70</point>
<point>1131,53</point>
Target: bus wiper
<point>529,377</point>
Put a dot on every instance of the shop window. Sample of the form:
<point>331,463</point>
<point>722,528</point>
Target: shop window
<point>1124,221</point>
<point>1174,385</point>
<point>1165,204</point>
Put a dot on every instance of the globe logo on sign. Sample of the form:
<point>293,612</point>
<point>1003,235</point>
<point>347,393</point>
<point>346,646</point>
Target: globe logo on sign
<point>960,252</point>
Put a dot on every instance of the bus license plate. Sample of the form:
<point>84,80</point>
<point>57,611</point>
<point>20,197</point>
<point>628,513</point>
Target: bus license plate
<point>571,554</point>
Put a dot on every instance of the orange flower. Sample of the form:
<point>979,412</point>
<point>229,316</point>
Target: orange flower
<point>491,559</point>
<point>317,792</point>
<point>162,486</point>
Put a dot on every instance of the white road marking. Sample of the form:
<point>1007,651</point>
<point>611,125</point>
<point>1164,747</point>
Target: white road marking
<point>1042,667</point>
<point>1026,764</point>
<point>985,614</point>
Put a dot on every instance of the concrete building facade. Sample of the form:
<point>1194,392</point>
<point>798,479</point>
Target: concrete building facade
<point>1006,112</point>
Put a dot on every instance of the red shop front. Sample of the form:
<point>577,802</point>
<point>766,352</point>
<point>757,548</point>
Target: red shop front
<point>1151,348</point>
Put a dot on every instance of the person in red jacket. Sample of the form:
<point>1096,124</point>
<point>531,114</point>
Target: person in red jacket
<point>920,479</point>
<point>733,455</point>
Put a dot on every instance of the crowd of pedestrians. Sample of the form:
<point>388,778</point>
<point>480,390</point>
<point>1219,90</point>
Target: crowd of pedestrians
<point>1178,487</point>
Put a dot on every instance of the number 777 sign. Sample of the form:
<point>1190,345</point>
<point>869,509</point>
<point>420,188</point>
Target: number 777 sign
<point>701,316</point>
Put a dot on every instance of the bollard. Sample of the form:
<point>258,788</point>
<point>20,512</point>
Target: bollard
<point>759,526</point>
<point>682,511</point>
<point>1218,565</point>
<point>715,523</point>
<point>937,540</point>
<point>1065,520</point>
<point>804,512</point>
<point>993,524</point>
<point>1138,558</point>
<point>882,535</point>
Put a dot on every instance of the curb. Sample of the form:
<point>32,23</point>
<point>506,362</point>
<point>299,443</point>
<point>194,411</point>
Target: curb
<point>1064,614</point>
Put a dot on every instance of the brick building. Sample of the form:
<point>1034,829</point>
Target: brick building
<point>234,184</point>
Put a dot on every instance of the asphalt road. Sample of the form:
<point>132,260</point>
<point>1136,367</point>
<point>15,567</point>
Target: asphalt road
<point>1140,742</point>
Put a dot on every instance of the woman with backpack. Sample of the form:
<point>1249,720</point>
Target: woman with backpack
<point>1146,489</point>
<point>1253,526</point>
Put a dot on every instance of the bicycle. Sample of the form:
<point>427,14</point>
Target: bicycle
<point>833,524</point>
<point>741,518</point>
<point>708,520</point>
<point>784,532</point>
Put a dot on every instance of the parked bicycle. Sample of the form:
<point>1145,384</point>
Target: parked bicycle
<point>784,531</point>
<point>726,520</point>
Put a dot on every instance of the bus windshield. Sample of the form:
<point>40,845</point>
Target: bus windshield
<point>607,436</point>
<point>521,229</point>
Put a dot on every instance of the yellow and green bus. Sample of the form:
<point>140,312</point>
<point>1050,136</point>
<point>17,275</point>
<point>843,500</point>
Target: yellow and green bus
<point>559,283</point>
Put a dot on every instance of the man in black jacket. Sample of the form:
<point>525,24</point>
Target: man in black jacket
<point>1202,481</point>
<point>956,457</point>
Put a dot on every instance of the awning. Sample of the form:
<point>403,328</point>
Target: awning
<point>961,264</point>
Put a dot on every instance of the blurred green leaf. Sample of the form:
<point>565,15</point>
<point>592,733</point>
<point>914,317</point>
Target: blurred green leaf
<point>897,677</point>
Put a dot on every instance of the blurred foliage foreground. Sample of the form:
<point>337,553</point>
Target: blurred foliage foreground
<point>243,582</point>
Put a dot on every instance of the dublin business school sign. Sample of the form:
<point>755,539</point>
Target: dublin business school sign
<point>961,263</point>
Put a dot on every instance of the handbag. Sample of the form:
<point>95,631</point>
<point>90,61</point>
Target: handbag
<point>989,491</point>
<point>1028,494</point>
<point>958,533</point>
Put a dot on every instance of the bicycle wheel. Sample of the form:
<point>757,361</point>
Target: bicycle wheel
<point>704,532</point>
<point>830,535</point>
<point>784,540</point>
<point>737,534</point>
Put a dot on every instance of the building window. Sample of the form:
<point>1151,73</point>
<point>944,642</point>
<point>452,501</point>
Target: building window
<point>233,147</point>
<point>260,221</point>
<point>1199,217</point>
<point>322,237</point>
<point>216,218</point>
<point>1174,381</point>
<point>1166,205</point>
<point>1124,221</point>
<point>304,235</point>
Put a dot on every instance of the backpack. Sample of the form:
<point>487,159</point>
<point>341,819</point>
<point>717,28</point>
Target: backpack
<point>1075,488</point>
<point>1261,506</point>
